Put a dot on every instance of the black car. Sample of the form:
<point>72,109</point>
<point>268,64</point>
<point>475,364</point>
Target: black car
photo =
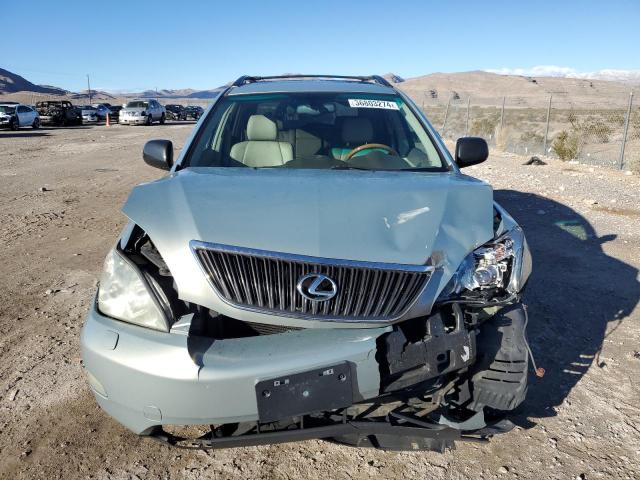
<point>115,110</point>
<point>193,111</point>
<point>176,112</point>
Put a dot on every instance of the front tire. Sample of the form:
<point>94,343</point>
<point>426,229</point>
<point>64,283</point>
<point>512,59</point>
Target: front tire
<point>149,120</point>
<point>15,125</point>
<point>36,123</point>
<point>162,119</point>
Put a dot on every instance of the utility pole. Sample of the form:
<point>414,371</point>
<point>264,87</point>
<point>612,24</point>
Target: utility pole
<point>89,88</point>
<point>502,115</point>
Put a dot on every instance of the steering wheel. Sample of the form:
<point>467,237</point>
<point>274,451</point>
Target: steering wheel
<point>368,146</point>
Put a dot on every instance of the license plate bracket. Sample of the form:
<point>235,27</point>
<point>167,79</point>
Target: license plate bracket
<point>325,388</point>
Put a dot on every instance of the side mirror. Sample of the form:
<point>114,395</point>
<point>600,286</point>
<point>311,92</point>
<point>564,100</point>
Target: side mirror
<point>158,153</point>
<point>471,151</point>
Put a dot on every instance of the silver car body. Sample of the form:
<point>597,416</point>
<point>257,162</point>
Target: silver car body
<point>146,378</point>
<point>89,114</point>
<point>26,116</point>
<point>131,115</point>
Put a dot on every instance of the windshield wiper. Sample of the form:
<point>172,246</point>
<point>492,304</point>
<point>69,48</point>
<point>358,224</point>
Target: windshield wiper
<point>348,167</point>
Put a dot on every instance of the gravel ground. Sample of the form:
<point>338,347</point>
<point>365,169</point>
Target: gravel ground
<point>61,191</point>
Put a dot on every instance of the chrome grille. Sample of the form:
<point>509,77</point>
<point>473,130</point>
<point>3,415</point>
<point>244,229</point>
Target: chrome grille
<point>266,281</point>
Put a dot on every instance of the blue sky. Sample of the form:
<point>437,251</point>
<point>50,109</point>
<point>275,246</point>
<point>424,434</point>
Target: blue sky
<point>134,45</point>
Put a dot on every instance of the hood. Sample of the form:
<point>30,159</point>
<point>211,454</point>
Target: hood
<point>390,217</point>
<point>134,109</point>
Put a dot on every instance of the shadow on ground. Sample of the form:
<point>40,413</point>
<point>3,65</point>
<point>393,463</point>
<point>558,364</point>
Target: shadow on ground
<point>23,134</point>
<point>576,293</point>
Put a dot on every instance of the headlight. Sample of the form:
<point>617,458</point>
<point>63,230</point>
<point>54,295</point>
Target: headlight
<point>504,263</point>
<point>125,295</point>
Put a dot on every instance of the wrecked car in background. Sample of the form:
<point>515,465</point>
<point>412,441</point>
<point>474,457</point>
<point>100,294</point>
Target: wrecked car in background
<point>314,265</point>
<point>176,112</point>
<point>14,115</point>
<point>58,113</point>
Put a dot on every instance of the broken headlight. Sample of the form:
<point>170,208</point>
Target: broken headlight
<point>503,263</point>
<point>124,294</point>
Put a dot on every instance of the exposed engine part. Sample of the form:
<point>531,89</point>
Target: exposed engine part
<point>406,357</point>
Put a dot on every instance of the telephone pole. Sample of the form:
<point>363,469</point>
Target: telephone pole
<point>89,88</point>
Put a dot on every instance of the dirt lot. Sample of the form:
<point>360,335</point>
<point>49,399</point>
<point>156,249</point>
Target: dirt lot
<point>582,420</point>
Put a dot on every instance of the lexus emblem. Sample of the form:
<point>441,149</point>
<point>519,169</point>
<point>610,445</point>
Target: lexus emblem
<point>317,287</point>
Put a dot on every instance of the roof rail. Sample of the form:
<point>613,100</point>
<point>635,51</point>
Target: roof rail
<point>369,78</point>
<point>242,80</point>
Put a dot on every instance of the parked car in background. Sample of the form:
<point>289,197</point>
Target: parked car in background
<point>15,115</point>
<point>115,110</point>
<point>176,112</point>
<point>104,109</point>
<point>193,111</point>
<point>314,265</point>
<point>142,112</point>
<point>89,114</point>
<point>58,112</point>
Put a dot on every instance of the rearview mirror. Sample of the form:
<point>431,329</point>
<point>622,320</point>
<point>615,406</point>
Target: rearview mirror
<point>158,153</point>
<point>471,151</point>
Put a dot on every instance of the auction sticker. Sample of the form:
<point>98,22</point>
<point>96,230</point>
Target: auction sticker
<point>362,103</point>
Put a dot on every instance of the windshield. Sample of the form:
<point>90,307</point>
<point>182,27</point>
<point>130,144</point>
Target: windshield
<point>137,105</point>
<point>7,109</point>
<point>314,130</point>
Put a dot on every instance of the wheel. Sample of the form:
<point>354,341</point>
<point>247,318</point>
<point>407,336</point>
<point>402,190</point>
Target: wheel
<point>36,123</point>
<point>149,119</point>
<point>162,119</point>
<point>15,125</point>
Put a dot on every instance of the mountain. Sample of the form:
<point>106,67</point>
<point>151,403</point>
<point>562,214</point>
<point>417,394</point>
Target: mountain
<point>393,78</point>
<point>482,86</point>
<point>180,93</point>
<point>96,95</point>
<point>12,83</point>
<point>527,90</point>
<point>632,77</point>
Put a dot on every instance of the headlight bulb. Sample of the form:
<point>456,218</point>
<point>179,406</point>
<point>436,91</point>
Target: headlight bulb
<point>486,266</point>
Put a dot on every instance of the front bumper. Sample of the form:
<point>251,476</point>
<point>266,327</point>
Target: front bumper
<point>133,120</point>
<point>145,378</point>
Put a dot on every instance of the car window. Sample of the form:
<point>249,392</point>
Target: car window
<point>314,130</point>
<point>137,104</point>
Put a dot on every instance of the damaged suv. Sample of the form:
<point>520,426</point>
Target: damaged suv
<point>314,265</point>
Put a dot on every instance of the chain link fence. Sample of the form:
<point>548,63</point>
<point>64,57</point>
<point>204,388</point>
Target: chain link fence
<point>599,133</point>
